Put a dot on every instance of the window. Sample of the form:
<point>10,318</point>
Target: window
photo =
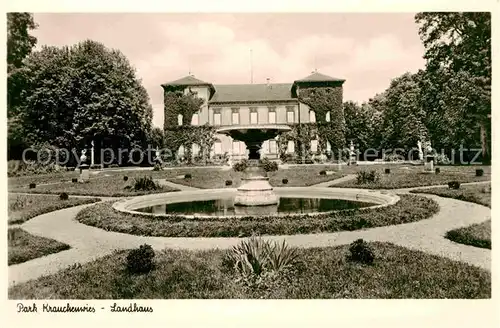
<point>181,151</point>
<point>312,116</point>
<point>194,119</point>
<point>272,115</point>
<point>273,149</point>
<point>291,147</point>
<point>218,147</point>
<point>195,150</point>
<point>235,118</point>
<point>253,115</point>
<point>327,116</point>
<point>290,115</point>
<point>217,118</point>
<point>179,119</point>
<point>314,145</point>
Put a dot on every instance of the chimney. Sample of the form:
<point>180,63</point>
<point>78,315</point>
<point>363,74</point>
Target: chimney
<point>268,80</point>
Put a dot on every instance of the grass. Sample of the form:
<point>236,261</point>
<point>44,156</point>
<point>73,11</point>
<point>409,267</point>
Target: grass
<point>207,178</point>
<point>23,246</point>
<point>322,273</point>
<point>407,176</point>
<point>110,185</point>
<point>25,207</point>
<point>478,235</point>
<point>409,209</point>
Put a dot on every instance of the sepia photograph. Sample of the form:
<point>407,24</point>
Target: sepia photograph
<point>294,155</point>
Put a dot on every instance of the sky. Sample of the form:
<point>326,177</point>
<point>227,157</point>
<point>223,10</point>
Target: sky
<point>367,50</point>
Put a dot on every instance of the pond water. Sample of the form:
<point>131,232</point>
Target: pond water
<point>226,207</point>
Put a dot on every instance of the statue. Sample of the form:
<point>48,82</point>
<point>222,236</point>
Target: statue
<point>83,157</point>
<point>420,152</point>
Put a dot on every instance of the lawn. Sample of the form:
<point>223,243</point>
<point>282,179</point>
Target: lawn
<point>478,235</point>
<point>409,209</point>
<point>110,185</point>
<point>321,273</point>
<point>25,207</point>
<point>407,176</point>
<point>23,246</point>
<point>297,176</point>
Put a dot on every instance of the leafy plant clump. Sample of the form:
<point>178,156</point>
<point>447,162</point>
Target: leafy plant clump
<point>188,176</point>
<point>63,196</point>
<point>360,251</point>
<point>323,172</point>
<point>241,165</point>
<point>438,170</point>
<point>268,165</point>
<point>284,181</point>
<point>229,182</point>
<point>479,172</point>
<point>140,260</point>
<point>454,185</point>
<point>74,180</point>
<point>125,178</point>
<point>145,184</point>
<point>32,185</point>
<point>363,177</point>
<point>387,171</point>
<point>157,167</point>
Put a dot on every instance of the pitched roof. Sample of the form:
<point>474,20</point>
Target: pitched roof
<point>318,77</point>
<point>252,92</point>
<point>187,80</point>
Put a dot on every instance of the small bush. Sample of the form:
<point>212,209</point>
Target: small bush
<point>284,181</point>
<point>32,185</point>
<point>393,157</point>
<point>229,182</point>
<point>479,172</point>
<point>360,251</point>
<point>145,184</point>
<point>363,177</point>
<point>74,180</point>
<point>63,196</point>
<point>140,260</point>
<point>95,167</point>
<point>441,159</point>
<point>240,166</point>
<point>114,166</point>
<point>188,176</point>
<point>323,172</point>
<point>157,167</point>
<point>438,170</point>
<point>387,171</point>
<point>268,165</point>
<point>454,185</point>
<point>125,178</point>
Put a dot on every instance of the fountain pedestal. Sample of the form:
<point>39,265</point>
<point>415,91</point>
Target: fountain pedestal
<point>255,189</point>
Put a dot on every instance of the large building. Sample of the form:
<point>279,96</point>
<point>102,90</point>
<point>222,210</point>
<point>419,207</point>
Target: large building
<point>247,104</point>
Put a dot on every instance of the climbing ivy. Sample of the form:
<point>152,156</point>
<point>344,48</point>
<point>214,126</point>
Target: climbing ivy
<point>176,102</point>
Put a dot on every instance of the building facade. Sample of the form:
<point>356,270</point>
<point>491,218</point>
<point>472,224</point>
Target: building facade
<point>247,104</point>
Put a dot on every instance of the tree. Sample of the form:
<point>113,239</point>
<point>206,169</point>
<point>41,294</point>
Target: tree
<point>460,44</point>
<point>361,124</point>
<point>19,41</point>
<point>76,94</point>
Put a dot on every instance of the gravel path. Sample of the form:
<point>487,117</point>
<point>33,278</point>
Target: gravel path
<point>88,243</point>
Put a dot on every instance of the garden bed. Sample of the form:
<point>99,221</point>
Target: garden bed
<point>410,208</point>
<point>23,246</point>
<point>321,273</point>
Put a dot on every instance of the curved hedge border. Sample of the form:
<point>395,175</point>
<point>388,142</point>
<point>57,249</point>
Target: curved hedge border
<point>410,208</point>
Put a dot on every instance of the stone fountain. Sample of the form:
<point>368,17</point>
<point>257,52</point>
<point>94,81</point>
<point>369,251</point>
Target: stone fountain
<point>255,189</point>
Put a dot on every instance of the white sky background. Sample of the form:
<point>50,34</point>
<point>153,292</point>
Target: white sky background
<point>367,50</point>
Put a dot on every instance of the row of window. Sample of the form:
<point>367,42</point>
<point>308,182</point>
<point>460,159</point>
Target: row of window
<point>254,117</point>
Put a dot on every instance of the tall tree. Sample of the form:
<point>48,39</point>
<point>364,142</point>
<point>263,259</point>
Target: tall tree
<point>461,43</point>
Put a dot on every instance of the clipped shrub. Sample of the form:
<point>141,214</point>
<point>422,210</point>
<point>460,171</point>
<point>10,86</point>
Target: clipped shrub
<point>363,177</point>
<point>188,176</point>
<point>32,185</point>
<point>145,184</point>
<point>438,170</point>
<point>268,165</point>
<point>360,251</point>
<point>241,165</point>
<point>74,180</point>
<point>140,260</point>
<point>387,171</point>
<point>125,178</point>
<point>157,167</point>
<point>284,181</point>
<point>441,159</point>
<point>479,172</point>
<point>63,196</point>
<point>454,185</point>
<point>323,172</point>
<point>229,182</point>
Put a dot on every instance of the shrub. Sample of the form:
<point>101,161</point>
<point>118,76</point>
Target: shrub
<point>323,172</point>
<point>454,185</point>
<point>32,185</point>
<point>63,196</point>
<point>95,167</point>
<point>284,181</point>
<point>140,260</point>
<point>188,176</point>
<point>479,172</point>
<point>229,182</point>
<point>387,171</point>
<point>268,165</point>
<point>145,184</point>
<point>393,157</point>
<point>363,177</point>
<point>441,159</point>
<point>438,170</point>
<point>240,166</point>
<point>157,167</point>
<point>360,251</point>
<point>74,180</point>
<point>125,178</point>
